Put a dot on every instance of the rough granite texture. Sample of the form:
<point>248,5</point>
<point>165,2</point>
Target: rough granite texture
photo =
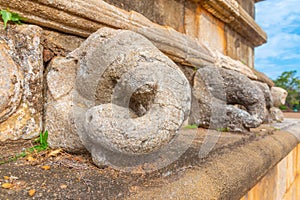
<point>11,80</point>
<point>61,81</point>
<point>268,98</point>
<point>58,44</point>
<point>267,93</point>
<point>21,80</point>
<point>279,96</point>
<point>126,97</point>
<point>276,114</point>
<point>227,100</point>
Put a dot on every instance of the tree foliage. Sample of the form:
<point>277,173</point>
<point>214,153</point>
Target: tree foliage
<point>291,83</point>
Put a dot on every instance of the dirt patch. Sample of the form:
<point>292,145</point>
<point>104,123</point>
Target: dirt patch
<point>61,176</point>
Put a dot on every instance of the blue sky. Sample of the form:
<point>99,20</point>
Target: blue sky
<point>281,21</point>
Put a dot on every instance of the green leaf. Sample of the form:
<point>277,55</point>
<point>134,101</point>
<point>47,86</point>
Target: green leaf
<point>6,16</point>
<point>43,139</point>
<point>23,154</point>
<point>46,138</point>
<point>9,16</point>
<point>15,17</point>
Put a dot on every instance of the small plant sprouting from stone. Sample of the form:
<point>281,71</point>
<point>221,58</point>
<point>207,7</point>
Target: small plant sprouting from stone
<point>10,16</point>
<point>42,145</point>
<point>191,126</point>
<point>223,129</point>
<point>276,128</point>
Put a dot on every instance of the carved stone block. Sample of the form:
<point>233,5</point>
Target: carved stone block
<point>122,97</point>
<point>267,93</point>
<point>58,121</point>
<point>21,82</point>
<point>279,96</point>
<point>276,115</point>
<point>226,100</point>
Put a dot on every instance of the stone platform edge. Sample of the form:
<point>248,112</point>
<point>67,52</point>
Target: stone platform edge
<point>233,173</point>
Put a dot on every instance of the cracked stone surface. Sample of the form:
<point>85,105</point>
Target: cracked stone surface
<point>227,100</point>
<point>276,114</point>
<point>269,100</point>
<point>58,121</point>
<point>267,93</point>
<point>21,82</point>
<point>279,96</point>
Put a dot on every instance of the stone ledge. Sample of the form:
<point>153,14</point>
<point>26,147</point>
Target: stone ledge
<point>82,18</point>
<point>227,174</point>
<point>290,125</point>
<point>237,18</point>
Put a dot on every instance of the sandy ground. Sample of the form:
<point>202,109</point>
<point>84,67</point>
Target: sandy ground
<point>292,115</point>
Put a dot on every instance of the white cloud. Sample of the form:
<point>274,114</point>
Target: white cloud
<point>280,45</point>
<point>277,14</point>
<point>281,20</point>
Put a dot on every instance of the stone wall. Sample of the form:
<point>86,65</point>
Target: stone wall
<point>193,19</point>
<point>231,24</point>
<point>25,53</point>
<point>248,6</point>
<point>167,13</point>
<point>282,182</point>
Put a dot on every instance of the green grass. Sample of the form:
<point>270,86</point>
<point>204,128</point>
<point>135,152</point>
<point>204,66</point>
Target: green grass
<point>42,145</point>
<point>223,129</point>
<point>191,126</point>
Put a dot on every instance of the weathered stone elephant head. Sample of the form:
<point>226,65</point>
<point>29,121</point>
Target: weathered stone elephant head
<point>119,94</point>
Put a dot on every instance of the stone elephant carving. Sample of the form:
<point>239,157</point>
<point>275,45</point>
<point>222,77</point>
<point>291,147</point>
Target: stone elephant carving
<point>119,94</point>
<point>226,100</point>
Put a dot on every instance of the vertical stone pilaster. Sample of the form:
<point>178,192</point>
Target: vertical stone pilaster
<point>21,104</point>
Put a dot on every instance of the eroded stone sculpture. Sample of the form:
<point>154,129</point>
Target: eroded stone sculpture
<point>267,93</point>
<point>226,100</point>
<point>276,115</point>
<point>60,101</point>
<point>279,96</point>
<point>268,99</point>
<point>121,95</point>
<point>21,82</point>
